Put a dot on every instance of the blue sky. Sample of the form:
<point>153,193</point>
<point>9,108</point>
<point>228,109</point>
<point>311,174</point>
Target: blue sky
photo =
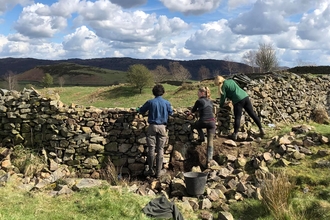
<point>299,30</point>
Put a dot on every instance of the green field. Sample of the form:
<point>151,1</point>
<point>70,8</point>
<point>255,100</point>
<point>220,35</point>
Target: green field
<point>127,96</point>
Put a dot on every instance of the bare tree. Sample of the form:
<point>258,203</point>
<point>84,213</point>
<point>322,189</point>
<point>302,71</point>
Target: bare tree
<point>160,74</point>
<point>61,81</point>
<point>231,65</point>
<point>216,73</point>
<point>249,58</point>
<point>300,62</point>
<point>266,57</point>
<point>203,73</point>
<point>11,78</point>
<point>179,73</point>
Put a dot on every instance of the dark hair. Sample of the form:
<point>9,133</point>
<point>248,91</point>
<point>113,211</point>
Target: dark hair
<point>158,90</point>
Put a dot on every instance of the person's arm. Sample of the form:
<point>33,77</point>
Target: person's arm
<point>144,108</point>
<point>223,96</point>
<point>169,109</point>
<point>194,109</point>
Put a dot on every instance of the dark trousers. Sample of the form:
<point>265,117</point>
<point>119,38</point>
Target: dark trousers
<point>238,110</point>
<point>199,125</point>
<point>210,128</point>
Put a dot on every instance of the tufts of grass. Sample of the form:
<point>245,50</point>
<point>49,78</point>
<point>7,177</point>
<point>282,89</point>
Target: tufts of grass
<point>250,209</point>
<point>28,162</point>
<point>276,193</point>
<point>320,115</point>
<point>93,203</point>
<point>308,207</point>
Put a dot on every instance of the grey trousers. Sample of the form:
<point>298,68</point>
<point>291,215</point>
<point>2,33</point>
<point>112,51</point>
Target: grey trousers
<point>156,140</point>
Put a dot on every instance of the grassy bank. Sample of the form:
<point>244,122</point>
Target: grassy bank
<point>126,96</point>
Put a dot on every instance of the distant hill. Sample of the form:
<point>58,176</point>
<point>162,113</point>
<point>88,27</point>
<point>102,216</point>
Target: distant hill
<point>21,65</point>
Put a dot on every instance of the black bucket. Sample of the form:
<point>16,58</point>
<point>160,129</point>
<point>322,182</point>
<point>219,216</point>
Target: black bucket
<point>195,182</point>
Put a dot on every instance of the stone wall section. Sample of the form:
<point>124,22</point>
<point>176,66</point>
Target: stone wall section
<point>81,137</point>
<point>282,98</point>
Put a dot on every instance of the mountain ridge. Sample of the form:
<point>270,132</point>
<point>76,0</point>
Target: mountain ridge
<point>20,65</point>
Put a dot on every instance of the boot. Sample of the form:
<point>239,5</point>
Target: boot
<point>209,153</point>
<point>150,171</point>
<point>233,136</point>
<point>159,165</point>
<point>262,132</point>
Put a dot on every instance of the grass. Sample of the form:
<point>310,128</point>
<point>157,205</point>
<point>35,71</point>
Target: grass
<point>94,203</point>
<point>301,194</point>
<point>126,96</point>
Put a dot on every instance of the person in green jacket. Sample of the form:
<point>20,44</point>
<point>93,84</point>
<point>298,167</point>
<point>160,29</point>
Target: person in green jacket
<point>228,88</point>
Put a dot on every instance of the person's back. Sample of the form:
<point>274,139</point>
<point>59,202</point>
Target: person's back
<point>205,109</point>
<point>232,91</point>
<point>228,88</point>
<point>159,109</point>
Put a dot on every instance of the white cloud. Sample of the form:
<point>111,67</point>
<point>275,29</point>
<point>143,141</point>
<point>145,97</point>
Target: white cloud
<point>104,28</point>
<point>129,3</point>
<point>62,8</point>
<point>316,25</point>
<point>6,5</point>
<point>113,24</point>
<point>84,43</point>
<point>216,36</point>
<point>33,25</point>
<point>3,42</point>
<point>264,18</point>
<point>237,3</point>
<point>18,37</point>
<point>192,7</point>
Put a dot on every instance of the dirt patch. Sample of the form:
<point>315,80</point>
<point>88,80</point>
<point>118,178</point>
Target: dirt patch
<point>197,155</point>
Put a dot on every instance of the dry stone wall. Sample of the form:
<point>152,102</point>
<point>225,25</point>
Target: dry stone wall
<point>81,137</point>
<point>282,98</point>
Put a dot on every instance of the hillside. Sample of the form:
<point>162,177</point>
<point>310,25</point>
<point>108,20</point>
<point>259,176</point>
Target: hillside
<point>20,65</point>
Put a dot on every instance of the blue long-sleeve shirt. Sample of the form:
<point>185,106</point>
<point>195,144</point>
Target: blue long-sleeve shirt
<point>159,110</point>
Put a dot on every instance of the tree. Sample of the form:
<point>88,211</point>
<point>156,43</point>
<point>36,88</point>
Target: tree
<point>231,65</point>
<point>47,80</point>
<point>300,62</point>
<point>179,73</point>
<point>160,73</point>
<point>61,81</point>
<point>216,72</point>
<point>11,78</point>
<point>203,73</point>
<point>249,58</point>
<point>139,76</point>
<point>266,57</point>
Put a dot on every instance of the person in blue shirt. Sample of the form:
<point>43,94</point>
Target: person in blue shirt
<point>158,110</point>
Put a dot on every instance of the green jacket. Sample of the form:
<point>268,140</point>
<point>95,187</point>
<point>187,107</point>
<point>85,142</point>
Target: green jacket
<point>232,91</point>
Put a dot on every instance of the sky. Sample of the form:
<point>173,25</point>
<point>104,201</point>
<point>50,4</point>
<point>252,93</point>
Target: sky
<point>298,30</point>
